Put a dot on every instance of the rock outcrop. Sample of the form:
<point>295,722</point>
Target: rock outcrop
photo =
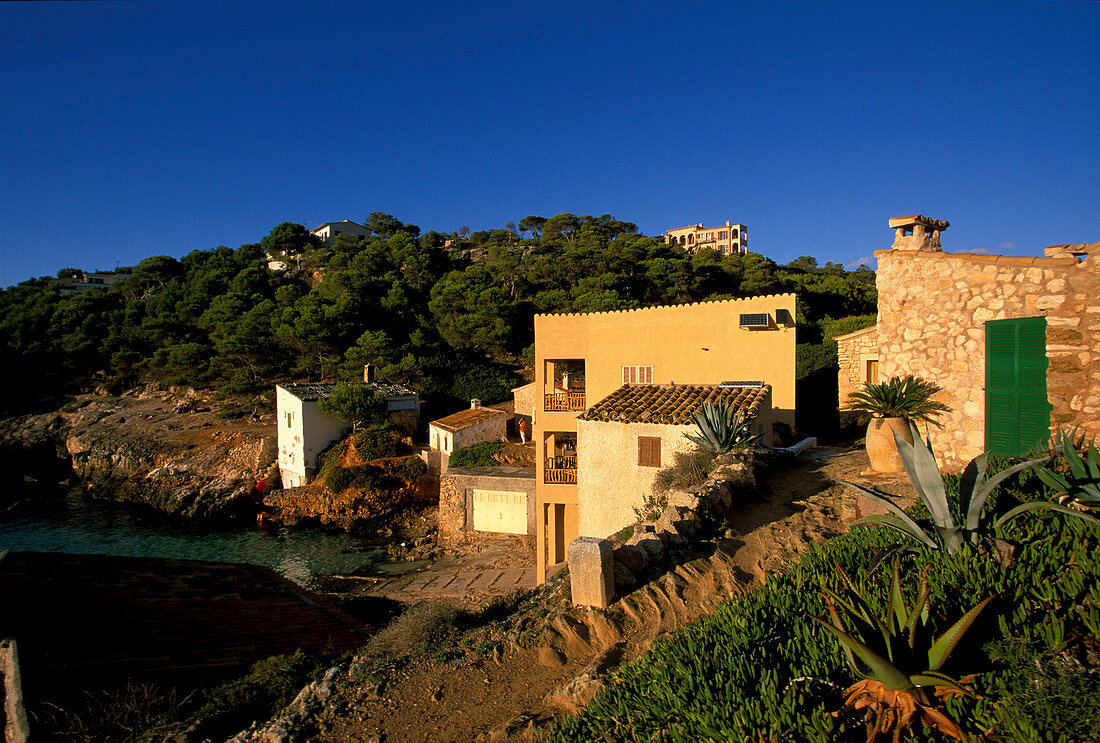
<point>159,449</point>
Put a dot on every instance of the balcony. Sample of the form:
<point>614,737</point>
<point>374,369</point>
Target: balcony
<point>558,401</point>
<point>561,470</point>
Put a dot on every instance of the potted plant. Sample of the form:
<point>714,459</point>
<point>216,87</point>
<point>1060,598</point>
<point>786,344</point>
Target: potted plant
<point>892,405</point>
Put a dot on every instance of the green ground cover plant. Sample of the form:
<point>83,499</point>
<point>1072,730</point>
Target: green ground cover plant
<point>762,668</point>
<point>476,455</point>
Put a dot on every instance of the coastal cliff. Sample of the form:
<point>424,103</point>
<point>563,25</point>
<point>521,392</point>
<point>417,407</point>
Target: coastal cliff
<point>168,450</point>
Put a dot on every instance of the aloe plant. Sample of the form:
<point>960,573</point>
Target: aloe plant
<point>948,531</point>
<point>898,658</point>
<point>1082,481</point>
<point>906,397</point>
<point>722,428</point>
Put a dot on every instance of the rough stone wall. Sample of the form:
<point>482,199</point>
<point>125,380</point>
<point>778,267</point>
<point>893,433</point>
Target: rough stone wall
<point>932,313</point>
<point>525,403</point>
<point>456,505</point>
<point>852,350</point>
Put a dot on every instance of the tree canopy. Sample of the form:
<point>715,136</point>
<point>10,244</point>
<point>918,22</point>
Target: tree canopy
<point>451,322</point>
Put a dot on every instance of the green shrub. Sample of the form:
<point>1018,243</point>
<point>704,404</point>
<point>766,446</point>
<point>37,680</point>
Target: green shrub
<point>423,629</point>
<point>759,668</point>
<point>364,476</point>
<point>271,684</point>
<point>477,455</point>
<point>1047,691</point>
<point>375,443</point>
<point>413,468</point>
<point>689,469</point>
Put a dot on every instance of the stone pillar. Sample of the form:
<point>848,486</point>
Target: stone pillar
<point>591,572</point>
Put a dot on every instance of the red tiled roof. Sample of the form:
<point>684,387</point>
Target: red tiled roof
<point>673,404</point>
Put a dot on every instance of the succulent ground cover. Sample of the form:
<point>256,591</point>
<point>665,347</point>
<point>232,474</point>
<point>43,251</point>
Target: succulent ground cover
<point>762,668</point>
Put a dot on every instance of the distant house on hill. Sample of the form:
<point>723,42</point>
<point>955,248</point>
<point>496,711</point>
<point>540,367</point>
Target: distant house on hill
<point>87,280</point>
<point>304,431</point>
<point>727,239</point>
<point>328,231</point>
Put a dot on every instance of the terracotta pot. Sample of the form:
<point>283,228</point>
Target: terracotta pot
<point>882,450</point>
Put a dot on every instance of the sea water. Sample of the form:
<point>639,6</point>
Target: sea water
<point>76,524</point>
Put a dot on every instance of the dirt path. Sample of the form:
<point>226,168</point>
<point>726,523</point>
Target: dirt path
<point>551,665</point>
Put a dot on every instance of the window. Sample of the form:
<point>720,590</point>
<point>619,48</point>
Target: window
<point>649,451</point>
<point>872,371</point>
<point>637,375</point>
<point>721,234</point>
<point>289,419</point>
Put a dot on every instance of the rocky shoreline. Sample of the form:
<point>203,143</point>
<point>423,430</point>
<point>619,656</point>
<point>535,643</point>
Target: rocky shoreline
<point>168,450</point>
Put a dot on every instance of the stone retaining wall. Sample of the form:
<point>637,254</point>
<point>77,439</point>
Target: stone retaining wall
<point>854,350</point>
<point>932,312</point>
<point>456,506</point>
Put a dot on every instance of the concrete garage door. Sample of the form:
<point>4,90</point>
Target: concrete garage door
<point>500,510</point>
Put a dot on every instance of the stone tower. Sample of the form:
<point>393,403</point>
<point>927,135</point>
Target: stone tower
<point>917,232</point>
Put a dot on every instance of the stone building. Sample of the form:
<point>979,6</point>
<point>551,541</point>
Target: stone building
<point>1013,341</point>
<point>467,427</point>
<point>487,503</point>
<point>727,239</point>
<point>709,343</point>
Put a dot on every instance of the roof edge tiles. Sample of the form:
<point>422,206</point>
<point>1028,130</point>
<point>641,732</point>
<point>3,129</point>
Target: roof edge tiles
<point>311,392</point>
<point>672,404</point>
<point>466,418</point>
<point>664,306</point>
<point>1010,260</point>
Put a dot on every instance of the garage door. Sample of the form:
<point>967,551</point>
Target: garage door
<point>500,510</point>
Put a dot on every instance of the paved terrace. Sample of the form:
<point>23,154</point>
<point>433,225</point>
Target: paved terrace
<point>464,584</point>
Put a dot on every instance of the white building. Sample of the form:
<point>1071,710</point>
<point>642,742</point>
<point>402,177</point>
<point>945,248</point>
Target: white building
<point>304,431</point>
<point>328,231</point>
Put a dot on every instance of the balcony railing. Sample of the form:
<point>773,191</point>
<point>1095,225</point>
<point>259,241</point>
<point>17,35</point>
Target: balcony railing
<point>561,470</point>
<point>564,401</point>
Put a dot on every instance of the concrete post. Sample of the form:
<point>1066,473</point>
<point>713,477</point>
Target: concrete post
<point>591,572</point>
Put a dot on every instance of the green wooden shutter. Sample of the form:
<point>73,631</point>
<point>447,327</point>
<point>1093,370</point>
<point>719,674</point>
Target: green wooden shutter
<point>1017,411</point>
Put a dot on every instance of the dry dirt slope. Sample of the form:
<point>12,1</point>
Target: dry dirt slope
<point>550,665</point>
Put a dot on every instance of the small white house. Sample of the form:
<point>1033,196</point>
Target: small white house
<point>304,431</point>
<point>466,427</point>
<point>328,231</point>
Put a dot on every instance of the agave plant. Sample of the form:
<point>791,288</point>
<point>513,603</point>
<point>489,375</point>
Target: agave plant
<point>948,531</point>
<point>899,660</point>
<point>1082,482</point>
<point>722,428</point>
<point>906,397</point>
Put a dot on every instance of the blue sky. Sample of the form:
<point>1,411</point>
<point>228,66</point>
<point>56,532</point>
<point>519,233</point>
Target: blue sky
<point>142,128</point>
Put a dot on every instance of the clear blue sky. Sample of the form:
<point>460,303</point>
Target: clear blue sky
<point>140,128</point>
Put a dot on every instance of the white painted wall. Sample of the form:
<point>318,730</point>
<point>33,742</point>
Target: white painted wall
<point>304,432</point>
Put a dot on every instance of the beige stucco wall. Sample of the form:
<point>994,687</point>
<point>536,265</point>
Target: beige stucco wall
<point>685,344</point>
<point>932,312</point>
<point>610,483</point>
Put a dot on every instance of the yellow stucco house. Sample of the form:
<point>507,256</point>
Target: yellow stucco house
<point>615,391</point>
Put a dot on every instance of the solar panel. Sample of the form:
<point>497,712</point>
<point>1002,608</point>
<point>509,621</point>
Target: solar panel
<point>755,320</point>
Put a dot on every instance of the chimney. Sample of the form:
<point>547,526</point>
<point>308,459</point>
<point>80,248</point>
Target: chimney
<point>368,373</point>
<point>918,232</point>
<point>475,403</point>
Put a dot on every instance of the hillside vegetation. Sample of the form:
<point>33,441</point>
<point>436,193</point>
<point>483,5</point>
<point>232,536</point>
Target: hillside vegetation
<point>452,323</point>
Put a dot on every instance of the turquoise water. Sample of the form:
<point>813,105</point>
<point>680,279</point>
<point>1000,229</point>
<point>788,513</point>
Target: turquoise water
<point>75,524</point>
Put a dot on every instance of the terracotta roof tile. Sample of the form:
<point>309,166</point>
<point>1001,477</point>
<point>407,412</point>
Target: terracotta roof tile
<point>674,404</point>
<point>466,418</point>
